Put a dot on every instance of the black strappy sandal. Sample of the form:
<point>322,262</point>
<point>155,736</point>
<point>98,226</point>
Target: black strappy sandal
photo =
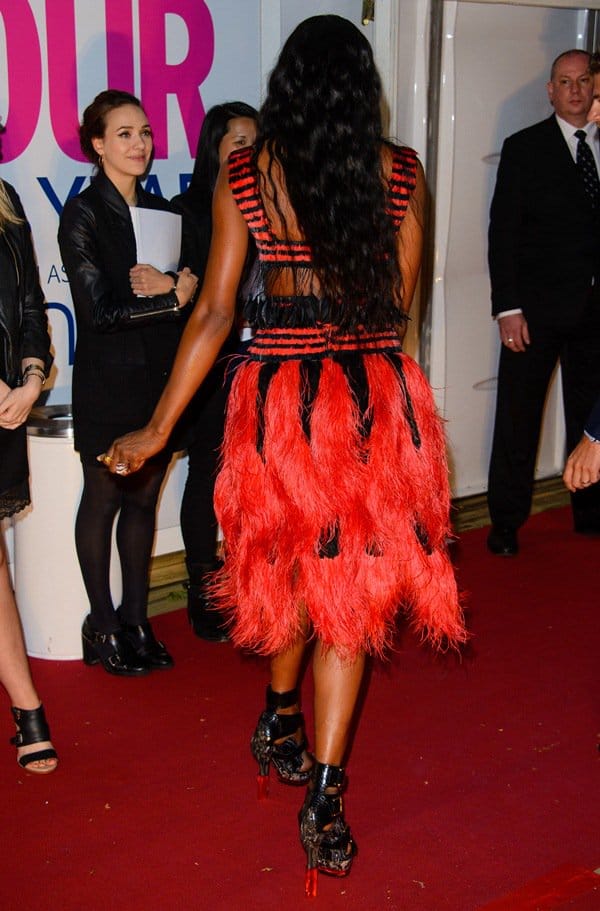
<point>32,727</point>
<point>274,741</point>
<point>324,833</point>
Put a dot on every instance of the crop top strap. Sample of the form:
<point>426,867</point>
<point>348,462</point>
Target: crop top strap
<point>402,181</point>
<point>244,184</point>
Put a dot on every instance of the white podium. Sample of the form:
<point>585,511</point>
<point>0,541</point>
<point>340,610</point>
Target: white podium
<point>49,589</point>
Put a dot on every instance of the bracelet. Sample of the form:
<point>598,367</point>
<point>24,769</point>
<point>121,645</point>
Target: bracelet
<point>34,369</point>
<point>175,278</point>
<point>40,375</point>
<point>31,367</point>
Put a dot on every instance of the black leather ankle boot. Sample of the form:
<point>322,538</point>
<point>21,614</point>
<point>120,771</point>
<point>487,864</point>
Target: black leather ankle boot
<point>113,651</point>
<point>147,647</point>
<point>206,620</point>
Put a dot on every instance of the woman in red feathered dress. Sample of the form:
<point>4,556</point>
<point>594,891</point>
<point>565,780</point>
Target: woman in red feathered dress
<point>333,491</point>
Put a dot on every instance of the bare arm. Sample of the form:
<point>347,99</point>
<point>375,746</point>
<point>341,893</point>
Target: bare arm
<point>206,331</point>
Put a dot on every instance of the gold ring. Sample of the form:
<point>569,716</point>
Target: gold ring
<point>106,459</point>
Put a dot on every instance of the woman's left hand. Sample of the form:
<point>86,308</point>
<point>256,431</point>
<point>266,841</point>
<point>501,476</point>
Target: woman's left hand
<point>148,281</point>
<point>128,453</point>
<point>15,407</point>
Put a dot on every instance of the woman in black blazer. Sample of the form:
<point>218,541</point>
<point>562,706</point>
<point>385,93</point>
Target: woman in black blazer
<point>129,320</point>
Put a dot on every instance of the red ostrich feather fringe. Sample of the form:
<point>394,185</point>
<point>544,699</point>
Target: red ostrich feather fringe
<point>283,510</point>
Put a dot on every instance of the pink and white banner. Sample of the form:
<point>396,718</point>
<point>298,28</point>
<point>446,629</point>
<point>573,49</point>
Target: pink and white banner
<point>178,56</point>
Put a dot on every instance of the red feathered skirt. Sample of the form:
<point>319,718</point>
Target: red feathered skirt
<point>333,496</point>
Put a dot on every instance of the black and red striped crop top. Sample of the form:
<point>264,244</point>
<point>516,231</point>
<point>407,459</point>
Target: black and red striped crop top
<point>274,252</point>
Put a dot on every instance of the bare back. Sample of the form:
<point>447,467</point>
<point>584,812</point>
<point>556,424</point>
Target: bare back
<point>281,245</point>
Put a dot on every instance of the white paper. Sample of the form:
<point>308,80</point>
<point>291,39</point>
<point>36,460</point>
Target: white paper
<point>157,238</point>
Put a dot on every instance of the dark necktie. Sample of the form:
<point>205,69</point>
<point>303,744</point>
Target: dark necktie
<point>587,168</point>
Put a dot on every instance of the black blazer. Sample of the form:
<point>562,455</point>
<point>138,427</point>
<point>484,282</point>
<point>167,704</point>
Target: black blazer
<point>23,321</point>
<point>592,425</point>
<point>125,345</point>
<point>544,237</point>
<point>23,333</point>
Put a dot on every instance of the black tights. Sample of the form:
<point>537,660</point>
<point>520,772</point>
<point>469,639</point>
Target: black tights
<point>134,498</point>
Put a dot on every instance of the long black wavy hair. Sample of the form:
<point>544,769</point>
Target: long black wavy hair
<point>206,165</point>
<point>321,120</point>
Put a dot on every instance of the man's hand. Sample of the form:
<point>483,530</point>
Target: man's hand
<point>583,465</point>
<point>514,332</point>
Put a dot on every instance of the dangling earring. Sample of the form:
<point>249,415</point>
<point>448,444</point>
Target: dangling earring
<point>101,162</point>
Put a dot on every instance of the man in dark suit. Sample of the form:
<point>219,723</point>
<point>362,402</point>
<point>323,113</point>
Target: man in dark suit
<point>544,258</point>
<point>583,465</point>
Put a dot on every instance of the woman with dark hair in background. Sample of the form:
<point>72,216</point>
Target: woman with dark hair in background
<point>333,492</point>
<point>225,127</point>
<point>129,321</point>
<point>24,364</point>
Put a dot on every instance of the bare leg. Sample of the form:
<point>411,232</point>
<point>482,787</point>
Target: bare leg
<point>337,684</point>
<point>285,670</point>
<point>14,666</point>
<point>285,667</point>
<point>324,834</point>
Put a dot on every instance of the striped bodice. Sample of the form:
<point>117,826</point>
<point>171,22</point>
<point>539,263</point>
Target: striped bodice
<point>268,306</point>
<point>244,183</point>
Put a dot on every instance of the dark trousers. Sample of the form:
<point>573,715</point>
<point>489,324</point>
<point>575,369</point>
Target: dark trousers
<point>523,380</point>
<point>205,420</point>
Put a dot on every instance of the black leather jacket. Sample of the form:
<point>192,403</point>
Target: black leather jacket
<point>125,344</point>
<point>23,321</point>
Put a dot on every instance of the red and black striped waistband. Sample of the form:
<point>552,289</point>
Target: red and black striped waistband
<point>285,344</point>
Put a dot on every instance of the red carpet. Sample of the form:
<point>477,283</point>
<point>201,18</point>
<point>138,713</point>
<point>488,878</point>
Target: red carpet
<point>473,784</point>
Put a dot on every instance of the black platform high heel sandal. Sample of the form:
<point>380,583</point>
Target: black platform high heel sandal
<point>324,833</point>
<point>274,741</point>
<point>32,727</point>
